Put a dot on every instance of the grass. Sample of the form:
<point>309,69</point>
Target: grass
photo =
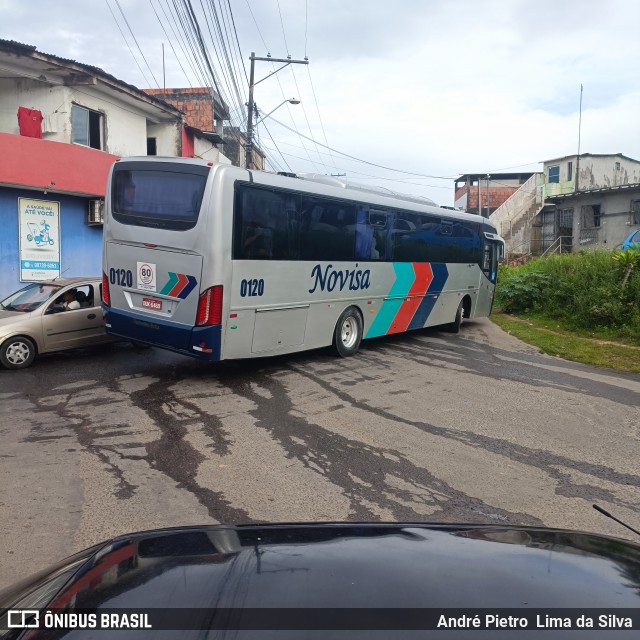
<point>564,342</point>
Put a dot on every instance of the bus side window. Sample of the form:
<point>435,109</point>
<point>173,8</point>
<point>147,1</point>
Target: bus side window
<point>262,225</point>
<point>326,229</point>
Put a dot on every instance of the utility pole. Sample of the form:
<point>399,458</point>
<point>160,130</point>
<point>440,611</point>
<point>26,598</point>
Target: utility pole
<point>287,61</point>
<point>579,132</point>
<point>488,209</point>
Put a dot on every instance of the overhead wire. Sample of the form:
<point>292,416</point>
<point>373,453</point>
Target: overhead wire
<point>370,176</point>
<point>277,147</point>
<point>227,74</point>
<point>286,46</point>
<point>373,164</point>
<point>127,43</point>
<point>171,45</point>
<point>295,80</point>
<point>186,36</point>
<point>279,83</point>
<point>136,41</point>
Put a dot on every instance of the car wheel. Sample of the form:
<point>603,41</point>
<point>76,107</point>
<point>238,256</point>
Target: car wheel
<point>17,352</point>
<point>454,327</point>
<point>348,333</point>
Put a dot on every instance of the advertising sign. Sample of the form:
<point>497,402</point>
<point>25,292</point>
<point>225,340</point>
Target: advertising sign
<point>39,239</point>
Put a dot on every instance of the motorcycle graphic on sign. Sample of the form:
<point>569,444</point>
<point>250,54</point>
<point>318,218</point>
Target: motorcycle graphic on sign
<point>39,236</point>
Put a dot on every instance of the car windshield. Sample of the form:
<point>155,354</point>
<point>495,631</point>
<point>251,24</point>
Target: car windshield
<point>31,297</point>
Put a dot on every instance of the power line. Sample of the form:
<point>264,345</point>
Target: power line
<point>324,134</point>
<point>125,41</point>
<point>171,44</point>
<point>276,146</point>
<point>136,41</point>
<point>306,22</point>
<point>233,22</point>
<point>286,46</point>
<point>365,175</point>
<point>257,27</point>
<point>373,164</point>
<point>281,89</point>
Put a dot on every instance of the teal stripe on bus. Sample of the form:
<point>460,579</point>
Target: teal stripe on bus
<point>405,275</point>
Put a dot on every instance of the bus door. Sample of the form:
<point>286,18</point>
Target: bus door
<point>491,252</point>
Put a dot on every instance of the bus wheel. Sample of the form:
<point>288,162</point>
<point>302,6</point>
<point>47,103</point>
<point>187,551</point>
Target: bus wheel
<point>454,327</point>
<point>348,333</point>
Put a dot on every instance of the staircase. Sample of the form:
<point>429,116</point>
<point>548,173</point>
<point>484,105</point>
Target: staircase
<point>514,217</point>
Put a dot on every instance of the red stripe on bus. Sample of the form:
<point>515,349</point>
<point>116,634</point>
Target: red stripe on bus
<point>183,281</point>
<point>421,283</point>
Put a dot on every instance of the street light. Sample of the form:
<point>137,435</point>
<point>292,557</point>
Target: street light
<point>290,101</point>
<point>252,83</point>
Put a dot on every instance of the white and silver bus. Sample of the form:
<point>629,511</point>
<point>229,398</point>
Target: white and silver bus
<point>218,262</point>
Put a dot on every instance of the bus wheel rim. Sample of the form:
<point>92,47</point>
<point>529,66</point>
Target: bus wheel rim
<point>349,332</point>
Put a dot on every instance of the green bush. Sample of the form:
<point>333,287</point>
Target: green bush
<point>590,290</point>
<point>522,291</point>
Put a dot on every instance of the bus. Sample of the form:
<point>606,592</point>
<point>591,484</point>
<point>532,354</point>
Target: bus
<point>218,262</point>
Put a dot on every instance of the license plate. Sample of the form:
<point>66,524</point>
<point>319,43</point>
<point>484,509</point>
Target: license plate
<point>150,303</point>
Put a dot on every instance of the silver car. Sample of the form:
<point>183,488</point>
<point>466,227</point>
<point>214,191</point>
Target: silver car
<point>50,316</point>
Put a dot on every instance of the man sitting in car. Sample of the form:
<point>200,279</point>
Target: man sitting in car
<point>70,302</point>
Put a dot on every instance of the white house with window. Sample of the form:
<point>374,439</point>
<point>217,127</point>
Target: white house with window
<point>62,126</point>
<point>578,202</point>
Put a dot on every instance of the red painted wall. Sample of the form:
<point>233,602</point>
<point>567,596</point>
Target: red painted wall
<point>187,144</point>
<point>55,166</point>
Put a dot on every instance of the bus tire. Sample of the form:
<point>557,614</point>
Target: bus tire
<point>17,352</point>
<point>454,327</point>
<point>348,333</point>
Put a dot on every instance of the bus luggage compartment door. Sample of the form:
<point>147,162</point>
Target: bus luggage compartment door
<point>278,328</point>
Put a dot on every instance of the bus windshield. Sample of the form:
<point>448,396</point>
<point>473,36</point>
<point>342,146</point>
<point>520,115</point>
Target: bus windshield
<point>158,198</point>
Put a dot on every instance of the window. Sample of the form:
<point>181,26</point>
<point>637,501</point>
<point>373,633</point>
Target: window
<point>635,212</point>
<point>151,196</point>
<point>596,216</point>
<point>553,173</point>
<point>617,166</point>
<point>565,219</point>
<point>151,147</point>
<point>280,224</point>
<point>264,225</point>
<point>569,171</point>
<point>86,127</point>
<point>591,216</point>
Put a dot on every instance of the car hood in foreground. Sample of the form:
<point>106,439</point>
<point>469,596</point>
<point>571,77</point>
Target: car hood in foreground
<point>345,565</point>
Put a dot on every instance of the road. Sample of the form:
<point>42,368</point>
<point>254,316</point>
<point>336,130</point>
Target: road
<point>427,426</point>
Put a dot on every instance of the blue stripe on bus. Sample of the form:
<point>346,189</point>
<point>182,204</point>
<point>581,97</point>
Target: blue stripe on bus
<point>440,275</point>
<point>405,275</point>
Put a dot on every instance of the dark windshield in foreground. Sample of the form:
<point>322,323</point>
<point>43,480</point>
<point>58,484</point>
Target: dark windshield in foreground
<point>154,195</point>
<point>31,297</point>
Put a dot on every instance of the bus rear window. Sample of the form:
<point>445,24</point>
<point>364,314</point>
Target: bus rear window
<point>165,199</point>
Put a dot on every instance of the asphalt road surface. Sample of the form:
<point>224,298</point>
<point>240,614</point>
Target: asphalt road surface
<point>427,426</point>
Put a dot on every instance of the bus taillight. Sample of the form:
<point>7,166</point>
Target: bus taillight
<point>106,295</point>
<point>210,307</point>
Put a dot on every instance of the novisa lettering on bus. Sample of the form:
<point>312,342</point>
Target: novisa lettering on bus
<point>331,278</point>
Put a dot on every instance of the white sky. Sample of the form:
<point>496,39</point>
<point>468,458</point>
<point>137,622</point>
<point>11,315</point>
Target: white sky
<point>438,88</point>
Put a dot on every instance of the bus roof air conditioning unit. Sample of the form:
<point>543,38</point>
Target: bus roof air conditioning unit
<point>96,212</point>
